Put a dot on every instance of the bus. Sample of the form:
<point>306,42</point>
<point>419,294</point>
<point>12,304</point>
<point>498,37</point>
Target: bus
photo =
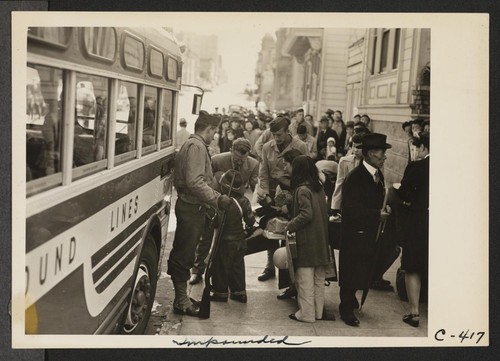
<point>101,110</point>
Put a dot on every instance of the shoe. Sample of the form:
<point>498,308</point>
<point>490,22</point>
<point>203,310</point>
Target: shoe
<point>292,317</point>
<point>266,275</point>
<point>288,293</point>
<point>195,302</point>
<point>350,320</point>
<point>218,298</point>
<point>195,278</point>
<point>386,282</point>
<point>239,298</point>
<point>381,286</point>
<point>189,311</point>
<point>411,319</point>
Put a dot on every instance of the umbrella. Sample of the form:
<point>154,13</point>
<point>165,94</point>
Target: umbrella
<point>380,231</point>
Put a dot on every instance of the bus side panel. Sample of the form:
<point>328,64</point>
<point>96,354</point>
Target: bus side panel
<point>62,310</point>
<point>167,179</point>
<point>101,230</point>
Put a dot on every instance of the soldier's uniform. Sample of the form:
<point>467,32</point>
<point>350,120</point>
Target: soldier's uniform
<point>194,182</point>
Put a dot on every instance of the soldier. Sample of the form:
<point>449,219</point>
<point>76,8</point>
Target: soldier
<point>273,172</point>
<point>194,181</point>
<point>248,168</point>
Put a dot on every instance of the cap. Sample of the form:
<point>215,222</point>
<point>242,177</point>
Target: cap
<point>242,145</point>
<point>207,119</point>
<point>324,118</point>
<point>349,124</point>
<point>278,123</point>
<point>329,111</point>
<point>183,121</point>
<point>374,141</point>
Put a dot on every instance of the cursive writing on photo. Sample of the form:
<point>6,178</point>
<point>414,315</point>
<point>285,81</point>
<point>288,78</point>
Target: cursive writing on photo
<point>264,340</point>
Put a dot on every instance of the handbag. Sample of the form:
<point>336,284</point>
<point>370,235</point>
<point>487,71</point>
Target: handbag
<point>331,268</point>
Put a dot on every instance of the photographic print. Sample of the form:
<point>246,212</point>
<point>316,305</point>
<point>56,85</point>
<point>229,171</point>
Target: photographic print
<point>233,180</point>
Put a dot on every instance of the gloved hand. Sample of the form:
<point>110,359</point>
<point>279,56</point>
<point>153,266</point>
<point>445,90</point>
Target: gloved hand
<point>223,202</point>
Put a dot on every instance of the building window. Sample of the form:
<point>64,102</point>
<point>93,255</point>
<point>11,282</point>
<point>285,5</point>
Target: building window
<point>397,39</point>
<point>385,44</point>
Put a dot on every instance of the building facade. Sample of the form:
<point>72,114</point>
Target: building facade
<point>388,78</point>
<point>384,73</point>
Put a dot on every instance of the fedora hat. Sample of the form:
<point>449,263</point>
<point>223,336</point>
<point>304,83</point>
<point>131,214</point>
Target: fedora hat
<point>374,141</point>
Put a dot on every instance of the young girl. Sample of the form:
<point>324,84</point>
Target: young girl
<point>310,223</point>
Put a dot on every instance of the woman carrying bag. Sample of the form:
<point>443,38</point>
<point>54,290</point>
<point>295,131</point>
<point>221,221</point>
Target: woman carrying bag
<point>310,224</point>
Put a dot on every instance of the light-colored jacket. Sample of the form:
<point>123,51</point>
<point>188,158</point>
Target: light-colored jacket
<point>272,167</point>
<point>346,164</point>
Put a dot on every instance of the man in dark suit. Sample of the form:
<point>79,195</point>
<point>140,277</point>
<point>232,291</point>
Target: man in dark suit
<point>362,199</point>
<point>324,132</point>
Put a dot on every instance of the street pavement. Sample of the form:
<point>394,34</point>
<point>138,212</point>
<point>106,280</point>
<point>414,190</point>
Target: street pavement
<point>264,314</point>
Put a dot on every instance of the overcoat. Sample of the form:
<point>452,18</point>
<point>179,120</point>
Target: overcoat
<point>362,201</point>
<point>310,222</point>
<point>415,190</point>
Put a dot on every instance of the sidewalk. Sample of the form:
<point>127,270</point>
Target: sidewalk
<point>264,314</point>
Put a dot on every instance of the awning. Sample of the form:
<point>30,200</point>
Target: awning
<point>299,40</point>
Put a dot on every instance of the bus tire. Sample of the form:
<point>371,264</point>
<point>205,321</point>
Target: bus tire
<point>141,300</point>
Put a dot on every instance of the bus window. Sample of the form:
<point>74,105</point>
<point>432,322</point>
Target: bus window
<point>166,118</point>
<point>58,37</point>
<point>100,43</point>
<point>90,122</point>
<point>44,87</point>
<point>133,53</point>
<point>126,121</point>
<point>155,63</point>
<point>149,125</point>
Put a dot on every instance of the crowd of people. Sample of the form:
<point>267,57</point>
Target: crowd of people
<point>333,173</point>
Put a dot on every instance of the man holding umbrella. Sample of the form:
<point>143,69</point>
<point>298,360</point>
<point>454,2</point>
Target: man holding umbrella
<point>363,195</point>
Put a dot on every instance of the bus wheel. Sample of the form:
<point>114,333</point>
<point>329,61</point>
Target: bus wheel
<point>143,294</point>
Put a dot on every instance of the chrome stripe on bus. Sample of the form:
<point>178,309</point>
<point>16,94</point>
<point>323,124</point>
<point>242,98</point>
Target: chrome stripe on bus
<point>101,287</point>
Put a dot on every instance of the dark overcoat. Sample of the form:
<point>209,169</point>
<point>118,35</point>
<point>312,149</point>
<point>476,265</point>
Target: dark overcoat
<point>362,201</point>
<point>310,222</point>
<point>415,241</point>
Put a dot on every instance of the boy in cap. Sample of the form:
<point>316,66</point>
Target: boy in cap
<point>194,181</point>
<point>228,270</point>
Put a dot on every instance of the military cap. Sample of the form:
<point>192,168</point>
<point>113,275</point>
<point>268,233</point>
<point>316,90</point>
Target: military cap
<point>279,123</point>
<point>207,119</point>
